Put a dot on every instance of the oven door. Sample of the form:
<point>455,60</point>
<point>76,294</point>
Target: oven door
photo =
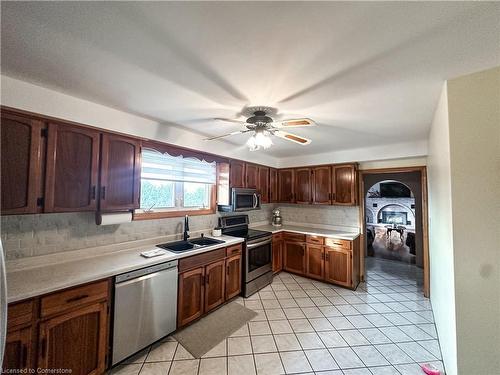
<point>245,200</point>
<point>258,259</point>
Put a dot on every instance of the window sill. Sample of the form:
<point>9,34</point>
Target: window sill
<point>167,214</point>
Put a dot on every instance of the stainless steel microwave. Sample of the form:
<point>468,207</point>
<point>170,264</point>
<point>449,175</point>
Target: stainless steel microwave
<point>242,200</point>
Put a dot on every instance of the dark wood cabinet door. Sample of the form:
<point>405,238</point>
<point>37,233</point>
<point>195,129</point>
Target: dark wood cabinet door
<point>277,256</point>
<point>76,340</point>
<point>18,350</point>
<point>264,184</point>
<point>344,189</point>
<point>294,257</point>
<point>321,185</point>
<point>190,296</point>
<point>273,185</point>
<point>214,285</point>
<point>72,168</point>
<point>21,170</point>
<point>120,173</point>
<point>252,176</point>
<point>286,185</point>
<point>338,266</point>
<point>303,186</point>
<point>237,174</point>
<point>233,276</point>
<point>315,264</point>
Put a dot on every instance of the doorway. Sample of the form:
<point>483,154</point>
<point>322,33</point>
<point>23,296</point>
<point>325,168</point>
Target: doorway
<point>393,204</point>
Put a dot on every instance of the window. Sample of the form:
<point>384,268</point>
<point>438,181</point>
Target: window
<point>176,184</point>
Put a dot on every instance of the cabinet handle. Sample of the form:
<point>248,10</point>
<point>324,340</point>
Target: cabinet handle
<point>93,193</point>
<point>103,192</point>
<point>77,298</point>
<point>24,362</point>
<point>327,256</point>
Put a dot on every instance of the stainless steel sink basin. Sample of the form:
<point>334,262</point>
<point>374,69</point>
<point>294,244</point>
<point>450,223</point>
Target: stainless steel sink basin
<point>195,243</point>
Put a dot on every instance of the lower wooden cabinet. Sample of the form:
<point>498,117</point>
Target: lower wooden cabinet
<point>338,265</point>
<point>277,249</point>
<point>215,278</point>
<point>315,265</point>
<point>18,350</point>
<point>294,257</point>
<point>76,340</point>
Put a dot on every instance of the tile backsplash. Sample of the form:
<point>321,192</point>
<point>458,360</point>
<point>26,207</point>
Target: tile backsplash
<point>34,235</point>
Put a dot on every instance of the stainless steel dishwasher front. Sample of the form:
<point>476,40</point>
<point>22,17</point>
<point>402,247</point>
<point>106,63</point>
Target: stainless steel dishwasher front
<point>145,308</point>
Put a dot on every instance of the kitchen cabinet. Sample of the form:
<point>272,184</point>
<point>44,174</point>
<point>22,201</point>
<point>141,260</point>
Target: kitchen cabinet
<point>344,184</point>
<point>338,264</point>
<point>206,281</point>
<point>120,173</point>
<point>303,186</point>
<point>315,261</point>
<point>286,185</point>
<point>214,285</point>
<point>273,185</point>
<point>18,350</point>
<point>72,169</point>
<point>294,257</point>
<point>277,249</point>
<point>251,176</point>
<point>233,276</point>
<point>237,177</point>
<point>21,167</point>
<point>263,185</point>
<point>75,340</point>
<point>321,185</point>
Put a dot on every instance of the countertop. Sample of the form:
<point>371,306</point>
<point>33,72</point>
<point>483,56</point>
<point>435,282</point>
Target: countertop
<point>333,233</point>
<point>47,278</point>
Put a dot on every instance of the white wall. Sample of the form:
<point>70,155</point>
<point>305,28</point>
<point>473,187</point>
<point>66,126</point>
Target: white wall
<point>24,95</point>
<point>474,117</point>
<point>442,283</point>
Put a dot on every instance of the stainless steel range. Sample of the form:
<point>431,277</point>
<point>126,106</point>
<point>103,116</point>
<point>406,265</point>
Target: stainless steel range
<point>257,252</point>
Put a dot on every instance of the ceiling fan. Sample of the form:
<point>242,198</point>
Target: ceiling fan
<point>263,126</point>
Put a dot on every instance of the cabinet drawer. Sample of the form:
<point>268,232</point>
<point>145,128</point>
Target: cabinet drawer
<point>315,239</point>
<point>20,313</point>
<point>233,250</point>
<point>334,242</point>
<point>201,259</point>
<point>295,237</point>
<point>62,301</point>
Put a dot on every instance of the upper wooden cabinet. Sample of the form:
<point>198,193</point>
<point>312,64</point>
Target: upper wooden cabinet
<point>321,185</point>
<point>120,173</point>
<point>251,176</point>
<point>344,184</point>
<point>273,185</point>
<point>303,186</point>
<point>237,176</point>
<point>72,169</point>
<point>286,185</point>
<point>263,185</point>
<point>21,171</point>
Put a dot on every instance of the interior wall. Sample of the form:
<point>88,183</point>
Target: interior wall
<point>441,253</point>
<point>33,98</point>
<point>474,118</point>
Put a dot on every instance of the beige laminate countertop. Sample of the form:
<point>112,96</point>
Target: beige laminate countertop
<point>344,235</point>
<point>36,281</point>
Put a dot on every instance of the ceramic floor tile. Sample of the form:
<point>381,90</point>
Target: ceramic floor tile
<point>353,337</point>
<point>259,328</point>
<point>287,342</point>
<point>286,303</point>
<point>213,366</point>
<point>185,367</point>
<point>357,371</point>
<point>340,322</point>
<point>301,325</point>
<point>239,345</point>
<point>220,350</point>
<point>330,311</point>
<point>137,358</point>
<point>321,360</point>
<point>241,364</point>
<point>295,362</point>
<point>359,321</point>
<point>395,334</point>
<point>393,354</point>
<point>321,324</point>
<point>312,312</point>
<point>275,314</point>
<point>374,336</point>
<point>416,351</point>
<point>280,326</point>
<point>127,369</point>
<point>384,370</point>
<point>332,339</point>
<point>346,358</point>
<point>271,304</point>
<point>310,341</point>
<point>268,364</point>
<point>155,368</point>
<point>370,356</point>
<point>432,346</point>
<point>294,313</point>
<point>162,352</point>
<point>263,344</point>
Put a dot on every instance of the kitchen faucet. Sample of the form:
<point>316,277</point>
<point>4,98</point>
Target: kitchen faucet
<point>186,228</point>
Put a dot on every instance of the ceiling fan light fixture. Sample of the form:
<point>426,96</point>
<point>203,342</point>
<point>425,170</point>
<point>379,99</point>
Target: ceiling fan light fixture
<point>258,140</point>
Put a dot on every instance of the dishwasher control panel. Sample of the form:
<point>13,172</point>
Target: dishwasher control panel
<point>145,271</point>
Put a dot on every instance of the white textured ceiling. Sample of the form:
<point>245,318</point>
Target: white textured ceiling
<point>368,73</point>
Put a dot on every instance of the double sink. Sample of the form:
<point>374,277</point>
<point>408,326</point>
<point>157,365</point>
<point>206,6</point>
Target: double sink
<point>195,243</point>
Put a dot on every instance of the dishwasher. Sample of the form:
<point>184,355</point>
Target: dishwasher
<point>145,308</point>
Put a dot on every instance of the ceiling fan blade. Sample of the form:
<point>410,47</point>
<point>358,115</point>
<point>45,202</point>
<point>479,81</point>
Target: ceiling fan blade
<point>227,135</point>
<point>229,120</point>
<point>293,123</point>
<point>292,137</point>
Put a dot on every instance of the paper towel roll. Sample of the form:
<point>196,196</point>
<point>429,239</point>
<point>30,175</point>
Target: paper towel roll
<point>113,218</point>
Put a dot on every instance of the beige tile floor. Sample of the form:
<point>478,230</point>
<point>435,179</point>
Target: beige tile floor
<point>303,326</point>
